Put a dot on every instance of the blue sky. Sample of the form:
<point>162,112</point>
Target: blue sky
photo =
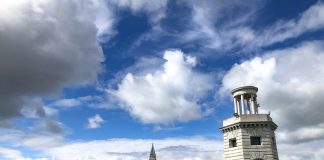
<point>103,79</point>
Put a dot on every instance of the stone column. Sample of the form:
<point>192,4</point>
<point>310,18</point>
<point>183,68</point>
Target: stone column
<point>248,105</point>
<point>235,107</point>
<point>253,104</point>
<point>242,104</point>
<point>238,107</point>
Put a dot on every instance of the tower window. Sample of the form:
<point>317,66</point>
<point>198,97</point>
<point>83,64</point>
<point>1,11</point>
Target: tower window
<point>255,140</point>
<point>232,143</point>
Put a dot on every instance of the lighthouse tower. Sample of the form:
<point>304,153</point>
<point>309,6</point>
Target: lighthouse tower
<point>248,135</point>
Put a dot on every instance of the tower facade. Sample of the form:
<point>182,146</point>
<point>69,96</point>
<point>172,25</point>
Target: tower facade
<point>248,135</point>
<point>152,153</point>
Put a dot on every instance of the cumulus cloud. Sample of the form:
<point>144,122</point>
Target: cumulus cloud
<point>95,121</point>
<point>46,45</point>
<point>104,19</point>
<point>171,148</point>
<point>290,86</point>
<point>168,94</point>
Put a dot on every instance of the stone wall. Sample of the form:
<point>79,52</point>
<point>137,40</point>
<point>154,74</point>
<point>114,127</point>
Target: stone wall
<point>244,150</point>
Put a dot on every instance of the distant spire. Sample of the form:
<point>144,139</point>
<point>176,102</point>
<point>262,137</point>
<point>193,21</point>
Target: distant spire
<point>152,154</point>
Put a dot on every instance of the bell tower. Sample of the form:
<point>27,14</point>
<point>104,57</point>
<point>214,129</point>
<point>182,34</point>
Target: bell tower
<point>249,135</point>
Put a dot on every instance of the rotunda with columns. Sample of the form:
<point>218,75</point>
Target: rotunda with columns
<point>245,100</point>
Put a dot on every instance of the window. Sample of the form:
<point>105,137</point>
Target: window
<point>232,143</point>
<point>255,140</point>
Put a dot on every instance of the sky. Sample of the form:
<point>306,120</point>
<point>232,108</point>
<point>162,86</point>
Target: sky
<point>104,79</point>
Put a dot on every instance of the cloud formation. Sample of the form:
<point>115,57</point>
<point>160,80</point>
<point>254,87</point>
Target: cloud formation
<point>211,28</point>
<point>226,26</point>
<point>45,46</point>
<point>11,153</point>
<point>189,148</point>
<point>95,121</point>
<point>290,83</point>
<point>37,141</point>
<point>155,11</point>
<point>310,20</point>
<point>138,149</point>
<point>168,94</point>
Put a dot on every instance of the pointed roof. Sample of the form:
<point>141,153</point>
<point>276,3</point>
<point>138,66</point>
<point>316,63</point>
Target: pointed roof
<point>152,154</point>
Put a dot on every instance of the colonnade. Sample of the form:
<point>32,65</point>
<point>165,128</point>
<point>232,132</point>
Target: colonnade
<point>245,104</point>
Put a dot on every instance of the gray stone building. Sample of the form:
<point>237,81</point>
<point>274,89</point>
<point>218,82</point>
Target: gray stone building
<point>248,135</point>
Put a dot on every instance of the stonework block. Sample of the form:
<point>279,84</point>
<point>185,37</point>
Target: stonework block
<point>267,150</point>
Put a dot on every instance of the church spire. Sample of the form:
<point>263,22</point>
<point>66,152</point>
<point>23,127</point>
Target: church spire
<point>152,154</point>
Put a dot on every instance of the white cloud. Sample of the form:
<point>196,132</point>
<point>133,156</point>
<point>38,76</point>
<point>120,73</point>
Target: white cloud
<point>95,121</point>
<point>187,148</point>
<point>67,103</point>
<point>312,132</point>
<point>310,150</point>
<point>35,141</point>
<point>41,142</point>
<point>11,153</point>
<point>226,25</point>
<point>310,20</point>
<point>14,154</point>
<point>211,29</point>
<point>155,10</point>
<point>131,149</point>
<point>104,19</point>
<point>93,101</point>
<point>290,83</point>
<point>168,94</point>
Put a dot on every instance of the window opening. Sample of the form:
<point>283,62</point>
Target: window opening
<point>255,140</point>
<point>232,143</point>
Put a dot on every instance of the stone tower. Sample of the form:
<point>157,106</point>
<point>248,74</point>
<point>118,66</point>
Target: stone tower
<point>152,154</point>
<point>249,135</point>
